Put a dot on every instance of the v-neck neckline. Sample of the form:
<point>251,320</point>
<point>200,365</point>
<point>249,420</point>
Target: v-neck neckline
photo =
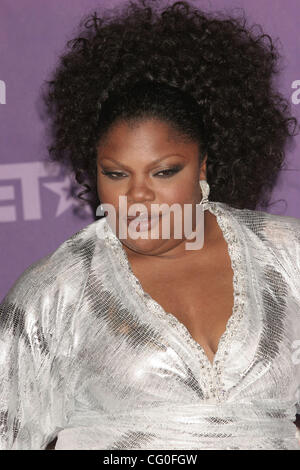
<point>226,222</point>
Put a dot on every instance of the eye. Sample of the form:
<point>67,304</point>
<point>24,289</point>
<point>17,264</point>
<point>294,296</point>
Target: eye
<point>168,173</point>
<point>165,173</point>
<point>110,173</point>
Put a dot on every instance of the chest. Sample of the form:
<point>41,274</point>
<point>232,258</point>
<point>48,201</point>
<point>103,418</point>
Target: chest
<point>198,292</point>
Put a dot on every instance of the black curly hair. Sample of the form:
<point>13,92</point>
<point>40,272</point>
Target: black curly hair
<point>208,75</point>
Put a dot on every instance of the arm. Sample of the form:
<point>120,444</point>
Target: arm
<point>285,235</point>
<point>32,373</point>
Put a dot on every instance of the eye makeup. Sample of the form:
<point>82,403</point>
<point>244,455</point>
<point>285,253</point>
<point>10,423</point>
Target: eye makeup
<point>168,172</point>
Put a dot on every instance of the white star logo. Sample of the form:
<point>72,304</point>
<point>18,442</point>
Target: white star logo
<point>62,188</point>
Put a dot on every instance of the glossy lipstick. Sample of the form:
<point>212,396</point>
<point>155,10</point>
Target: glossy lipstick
<point>143,222</point>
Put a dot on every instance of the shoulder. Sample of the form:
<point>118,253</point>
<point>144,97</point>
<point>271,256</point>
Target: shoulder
<point>67,266</point>
<point>278,234</point>
<point>43,303</point>
<point>272,227</point>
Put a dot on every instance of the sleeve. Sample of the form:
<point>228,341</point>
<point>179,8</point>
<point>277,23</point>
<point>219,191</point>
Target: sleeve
<point>295,262</point>
<point>284,232</point>
<point>296,231</point>
<point>34,403</point>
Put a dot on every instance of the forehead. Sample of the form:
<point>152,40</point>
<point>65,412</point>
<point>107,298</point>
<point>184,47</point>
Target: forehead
<point>149,136</point>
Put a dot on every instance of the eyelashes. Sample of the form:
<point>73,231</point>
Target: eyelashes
<point>166,173</point>
<point>169,172</point>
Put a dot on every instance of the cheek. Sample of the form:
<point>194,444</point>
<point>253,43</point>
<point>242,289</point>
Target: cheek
<point>106,192</point>
<point>184,190</point>
<point>182,194</point>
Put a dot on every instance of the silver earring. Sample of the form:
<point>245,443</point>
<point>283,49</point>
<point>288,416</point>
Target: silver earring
<point>205,193</point>
<point>100,211</point>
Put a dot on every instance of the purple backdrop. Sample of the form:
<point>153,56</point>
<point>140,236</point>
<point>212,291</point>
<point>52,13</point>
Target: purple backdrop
<point>36,214</point>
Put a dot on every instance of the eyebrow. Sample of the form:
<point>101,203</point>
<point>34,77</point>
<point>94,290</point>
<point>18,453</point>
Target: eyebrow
<point>150,164</point>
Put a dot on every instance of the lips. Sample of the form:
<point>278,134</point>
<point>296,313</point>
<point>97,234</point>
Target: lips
<point>143,224</point>
<point>142,217</point>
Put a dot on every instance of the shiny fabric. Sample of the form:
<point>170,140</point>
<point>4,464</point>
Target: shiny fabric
<point>88,356</point>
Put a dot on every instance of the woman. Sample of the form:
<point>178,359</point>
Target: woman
<point>141,343</point>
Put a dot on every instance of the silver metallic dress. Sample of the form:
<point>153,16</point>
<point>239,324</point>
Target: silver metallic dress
<point>88,356</point>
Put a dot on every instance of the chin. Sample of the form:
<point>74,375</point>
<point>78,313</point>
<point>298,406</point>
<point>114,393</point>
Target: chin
<point>144,246</point>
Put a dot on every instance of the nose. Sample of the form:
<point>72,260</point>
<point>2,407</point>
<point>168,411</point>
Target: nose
<point>139,192</point>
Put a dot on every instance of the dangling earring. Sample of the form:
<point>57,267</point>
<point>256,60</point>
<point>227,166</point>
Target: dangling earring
<point>100,211</point>
<point>205,193</point>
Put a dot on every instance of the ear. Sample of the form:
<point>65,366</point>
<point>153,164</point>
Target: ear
<point>202,172</point>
